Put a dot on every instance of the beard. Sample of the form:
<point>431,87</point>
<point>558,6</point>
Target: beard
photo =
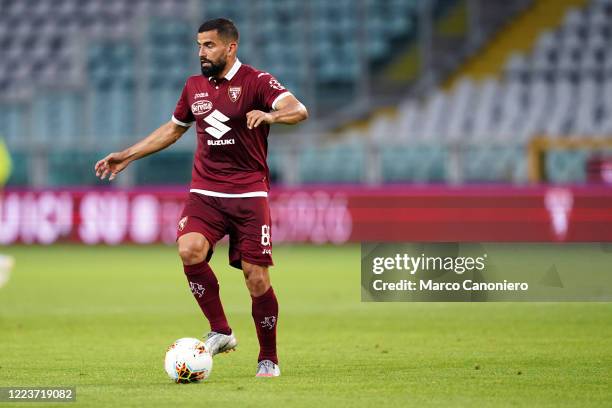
<point>214,69</point>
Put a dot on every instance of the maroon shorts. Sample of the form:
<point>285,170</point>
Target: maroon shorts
<point>246,220</point>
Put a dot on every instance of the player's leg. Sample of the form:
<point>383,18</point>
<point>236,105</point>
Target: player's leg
<point>257,278</point>
<point>197,235</point>
<point>193,249</point>
<point>251,251</point>
<point>265,316</point>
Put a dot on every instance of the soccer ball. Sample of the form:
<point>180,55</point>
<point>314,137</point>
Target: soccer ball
<point>187,360</point>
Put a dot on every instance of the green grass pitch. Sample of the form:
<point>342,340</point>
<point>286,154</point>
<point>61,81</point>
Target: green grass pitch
<point>100,319</point>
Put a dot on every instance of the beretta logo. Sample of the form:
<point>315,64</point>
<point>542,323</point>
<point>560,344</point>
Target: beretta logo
<point>201,107</point>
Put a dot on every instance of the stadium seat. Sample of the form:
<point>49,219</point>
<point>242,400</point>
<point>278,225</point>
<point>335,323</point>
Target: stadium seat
<point>488,103</point>
<point>338,163</point>
<point>66,168</point>
<point>12,118</point>
<point>415,163</point>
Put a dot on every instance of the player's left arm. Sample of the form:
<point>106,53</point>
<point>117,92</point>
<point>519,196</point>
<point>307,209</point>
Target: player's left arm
<point>288,111</point>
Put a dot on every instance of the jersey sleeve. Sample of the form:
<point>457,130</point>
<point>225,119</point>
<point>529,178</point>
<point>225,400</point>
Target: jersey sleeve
<point>182,115</point>
<point>270,90</point>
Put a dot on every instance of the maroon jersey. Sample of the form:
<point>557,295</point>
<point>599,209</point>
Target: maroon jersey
<point>230,159</point>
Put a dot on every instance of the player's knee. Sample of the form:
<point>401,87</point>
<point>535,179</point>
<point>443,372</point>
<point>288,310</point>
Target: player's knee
<point>192,251</point>
<point>257,278</point>
<point>191,254</point>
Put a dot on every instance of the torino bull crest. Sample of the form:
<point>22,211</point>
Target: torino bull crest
<point>268,322</point>
<point>234,92</point>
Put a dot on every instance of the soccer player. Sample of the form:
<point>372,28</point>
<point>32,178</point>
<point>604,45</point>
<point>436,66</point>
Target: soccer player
<point>6,261</point>
<point>232,106</point>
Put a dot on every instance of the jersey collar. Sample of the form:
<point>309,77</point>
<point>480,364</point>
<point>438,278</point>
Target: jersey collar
<point>232,72</point>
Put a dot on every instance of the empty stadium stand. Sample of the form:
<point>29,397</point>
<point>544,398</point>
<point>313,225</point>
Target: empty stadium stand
<point>562,88</point>
<point>78,78</point>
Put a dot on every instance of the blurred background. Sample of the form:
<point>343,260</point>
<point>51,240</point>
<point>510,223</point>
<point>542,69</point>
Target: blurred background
<point>403,94</point>
<point>430,121</point>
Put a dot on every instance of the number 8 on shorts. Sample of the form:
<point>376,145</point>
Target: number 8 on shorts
<point>265,235</point>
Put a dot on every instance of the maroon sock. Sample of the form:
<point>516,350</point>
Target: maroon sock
<point>265,315</point>
<point>205,288</point>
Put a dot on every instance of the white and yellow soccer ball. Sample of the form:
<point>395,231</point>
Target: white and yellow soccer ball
<point>187,360</point>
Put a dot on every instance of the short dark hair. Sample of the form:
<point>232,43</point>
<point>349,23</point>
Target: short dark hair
<point>225,28</point>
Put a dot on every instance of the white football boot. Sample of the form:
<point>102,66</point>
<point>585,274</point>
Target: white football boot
<point>267,368</point>
<point>217,343</point>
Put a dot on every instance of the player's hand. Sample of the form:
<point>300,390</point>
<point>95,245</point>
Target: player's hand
<point>111,164</point>
<point>257,117</point>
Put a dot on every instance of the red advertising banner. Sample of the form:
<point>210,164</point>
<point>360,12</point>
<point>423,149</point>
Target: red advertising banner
<point>327,214</point>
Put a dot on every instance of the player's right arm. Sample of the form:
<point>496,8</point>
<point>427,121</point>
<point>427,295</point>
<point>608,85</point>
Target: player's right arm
<point>158,140</point>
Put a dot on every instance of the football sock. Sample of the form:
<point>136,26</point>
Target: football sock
<point>265,316</point>
<point>205,288</point>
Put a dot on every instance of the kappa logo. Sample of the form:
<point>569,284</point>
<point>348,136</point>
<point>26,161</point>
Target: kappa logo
<point>201,107</point>
<point>268,322</point>
<point>234,92</point>
<point>182,223</point>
